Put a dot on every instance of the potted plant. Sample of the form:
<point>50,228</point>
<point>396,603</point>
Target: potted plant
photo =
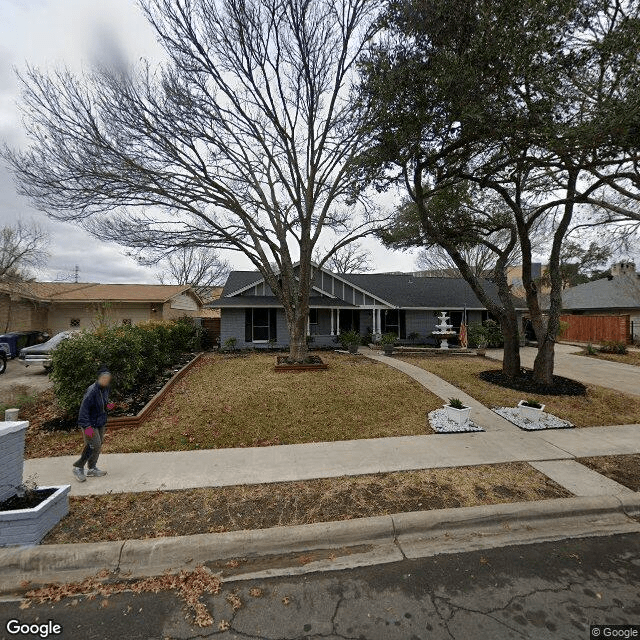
<point>482,348</point>
<point>530,410</point>
<point>387,341</point>
<point>457,412</point>
<point>350,340</point>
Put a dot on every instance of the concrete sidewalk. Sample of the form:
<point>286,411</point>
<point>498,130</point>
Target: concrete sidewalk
<point>480,414</point>
<point>222,467</point>
<point>613,375</point>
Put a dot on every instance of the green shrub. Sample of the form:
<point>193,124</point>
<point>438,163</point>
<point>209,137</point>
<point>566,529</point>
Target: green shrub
<point>487,333</point>
<point>349,338</point>
<point>613,346</point>
<point>135,355</point>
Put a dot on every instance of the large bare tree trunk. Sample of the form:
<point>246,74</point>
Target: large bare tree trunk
<point>298,349</point>
<point>511,357</point>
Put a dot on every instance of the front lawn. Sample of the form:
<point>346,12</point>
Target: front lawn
<point>599,407</point>
<point>624,469</point>
<point>240,401</point>
<point>172,513</point>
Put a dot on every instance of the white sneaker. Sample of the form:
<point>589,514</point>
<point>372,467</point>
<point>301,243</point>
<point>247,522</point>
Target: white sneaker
<point>79,474</point>
<point>96,473</point>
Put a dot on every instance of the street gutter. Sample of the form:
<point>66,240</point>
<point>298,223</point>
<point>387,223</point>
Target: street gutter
<point>373,540</point>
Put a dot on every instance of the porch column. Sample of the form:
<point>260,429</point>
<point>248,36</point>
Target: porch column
<point>308,324</point>
<point>337,322</point>
<point>378,325</point>
<point>373,313</point>
<point>332,328</point>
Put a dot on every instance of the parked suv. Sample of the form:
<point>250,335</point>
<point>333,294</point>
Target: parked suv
<point>11,343</point>
<point>40,354</point>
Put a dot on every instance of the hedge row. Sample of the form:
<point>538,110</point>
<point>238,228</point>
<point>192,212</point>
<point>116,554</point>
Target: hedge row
<point>135,355</point>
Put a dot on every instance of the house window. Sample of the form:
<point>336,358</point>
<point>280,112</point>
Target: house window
<point>127,322</point>
<point>74,322</point>
<point>313,316</point>
<point>260,325</point>
<point>394,321</point>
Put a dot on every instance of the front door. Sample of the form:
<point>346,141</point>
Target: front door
<point>349,320</point>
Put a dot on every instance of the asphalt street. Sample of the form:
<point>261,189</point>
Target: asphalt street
<point>551,590</point>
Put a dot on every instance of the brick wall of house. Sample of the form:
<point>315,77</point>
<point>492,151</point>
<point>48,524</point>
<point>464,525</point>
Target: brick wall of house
<point>21,315</point>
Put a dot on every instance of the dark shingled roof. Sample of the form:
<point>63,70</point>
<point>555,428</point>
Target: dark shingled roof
<point>400,290</point>
<point>272,301</point>
<point>621,292</point>
<point>407,290</point>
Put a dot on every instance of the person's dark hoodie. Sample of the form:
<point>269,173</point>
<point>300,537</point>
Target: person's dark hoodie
<point>93,410</point>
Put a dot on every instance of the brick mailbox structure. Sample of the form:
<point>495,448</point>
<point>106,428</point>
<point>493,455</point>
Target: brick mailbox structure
<point>19,527</point>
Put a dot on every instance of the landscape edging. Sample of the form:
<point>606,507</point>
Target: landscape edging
<point>121,422</point>
<point>50,563</point>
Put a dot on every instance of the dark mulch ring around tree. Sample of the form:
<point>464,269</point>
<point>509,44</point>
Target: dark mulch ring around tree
<point>130,404</point>
<point>310,360</point>
<point>29,500</point>
<point>525,383</point>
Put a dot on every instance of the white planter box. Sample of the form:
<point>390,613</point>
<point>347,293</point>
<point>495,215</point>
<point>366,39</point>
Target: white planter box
<point>22,527</point>
<point>530,413</point>
<point>459,416</point>
<point>11,457</point>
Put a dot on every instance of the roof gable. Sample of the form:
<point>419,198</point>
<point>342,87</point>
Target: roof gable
<point>393,290</point>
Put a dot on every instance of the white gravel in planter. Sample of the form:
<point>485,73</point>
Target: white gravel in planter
<point>440,423</point>
<point>547,421</point>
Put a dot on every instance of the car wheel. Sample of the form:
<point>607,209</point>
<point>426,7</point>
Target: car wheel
<point>3,364</point>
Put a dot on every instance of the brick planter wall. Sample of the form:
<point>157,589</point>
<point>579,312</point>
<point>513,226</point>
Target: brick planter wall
<point>11,457</point>
<point>29,526</point>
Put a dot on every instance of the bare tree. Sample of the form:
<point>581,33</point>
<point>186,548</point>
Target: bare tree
<point>351,258</point>
<point>23,247</point>
<point>245,139</point>
<point>195,266</point>
<point>436,260</point>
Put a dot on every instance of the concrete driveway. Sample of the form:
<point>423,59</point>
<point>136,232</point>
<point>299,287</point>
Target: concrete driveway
<point>19,380</point>
<point>613,375</point>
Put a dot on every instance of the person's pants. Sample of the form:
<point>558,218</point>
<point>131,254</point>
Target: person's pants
<point>92,447</point>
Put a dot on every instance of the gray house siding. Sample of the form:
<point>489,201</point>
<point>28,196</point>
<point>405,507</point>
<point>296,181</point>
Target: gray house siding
<point>421,322</point>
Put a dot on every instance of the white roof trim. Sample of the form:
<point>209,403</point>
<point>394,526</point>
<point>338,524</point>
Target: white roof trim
<point>328,293</point>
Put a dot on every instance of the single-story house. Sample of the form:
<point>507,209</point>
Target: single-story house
<point>403,304</point>
<point>59,306</point>
<point>615,295</point>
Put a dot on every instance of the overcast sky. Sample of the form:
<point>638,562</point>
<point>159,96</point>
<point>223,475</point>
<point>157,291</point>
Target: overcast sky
<point>47,33</point>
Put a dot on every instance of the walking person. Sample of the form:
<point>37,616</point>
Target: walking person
<point>92,420</point>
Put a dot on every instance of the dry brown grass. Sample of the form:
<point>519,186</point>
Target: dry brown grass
<point>169,513</point>
<point>624,469</point>
<point>599,407</point>
<point>240,401</point>
<point>632,357</point>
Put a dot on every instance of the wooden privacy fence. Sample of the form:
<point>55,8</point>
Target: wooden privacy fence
<point>597,328</point>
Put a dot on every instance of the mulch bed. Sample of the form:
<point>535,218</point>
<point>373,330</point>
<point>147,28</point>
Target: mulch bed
<point>624,469</point>
<point>525,383</point>
<point>129,405</point>
<point>212,510</point>
<point>29,500</point>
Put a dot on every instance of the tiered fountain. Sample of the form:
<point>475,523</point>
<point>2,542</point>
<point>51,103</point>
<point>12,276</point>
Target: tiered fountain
<point>444,330</point>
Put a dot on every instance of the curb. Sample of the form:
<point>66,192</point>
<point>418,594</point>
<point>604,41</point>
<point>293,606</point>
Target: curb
<point>138,558</point>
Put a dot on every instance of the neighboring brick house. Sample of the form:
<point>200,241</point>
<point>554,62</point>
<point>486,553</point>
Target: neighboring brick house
<point>20,312</point>
<point>58,306</point>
